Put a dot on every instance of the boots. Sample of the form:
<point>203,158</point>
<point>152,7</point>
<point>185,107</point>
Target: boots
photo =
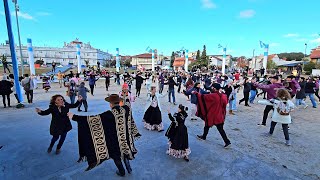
<point>231,112</point>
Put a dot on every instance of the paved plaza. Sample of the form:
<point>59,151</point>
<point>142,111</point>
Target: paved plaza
<point>25,138</point>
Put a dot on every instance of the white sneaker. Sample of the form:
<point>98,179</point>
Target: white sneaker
<point>305,107</point>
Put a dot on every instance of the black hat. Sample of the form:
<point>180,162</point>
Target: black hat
<point>216,86</point>
<point>275,77</point>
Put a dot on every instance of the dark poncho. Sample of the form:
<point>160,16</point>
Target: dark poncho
<point>107,135</point>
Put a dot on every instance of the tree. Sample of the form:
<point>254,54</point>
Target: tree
<point>198,55</point>
<point>204,53</point>
<point>172,59</point>
<point>292,56</point>
<point>271,65</point>
<point>127,63</point>
<point>309,66</point>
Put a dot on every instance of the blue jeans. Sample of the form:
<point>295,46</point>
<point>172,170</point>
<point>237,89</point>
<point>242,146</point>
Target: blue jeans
<point>311,96</point>
<point>72,99</point>
<point>171,92</point>
<point>253,94</point>
<point>231,105</point>
<point>234,103</point>
<point>300,102</point>
<point>118,81</point>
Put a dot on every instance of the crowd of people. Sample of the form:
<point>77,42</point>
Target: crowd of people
<point>111,134</point>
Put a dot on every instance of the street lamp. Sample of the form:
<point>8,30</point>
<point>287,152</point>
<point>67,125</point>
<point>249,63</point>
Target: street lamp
<point>17,9</point>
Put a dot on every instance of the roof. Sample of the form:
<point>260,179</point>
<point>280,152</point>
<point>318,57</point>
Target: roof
<point>271,56</point>
<point>315,54</point>
<point>217,58</point>
<point>145,56</point>
<point>179,61</point>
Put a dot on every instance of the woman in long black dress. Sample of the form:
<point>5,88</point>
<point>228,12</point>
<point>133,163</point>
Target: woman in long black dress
<point>152,117</point>
<point>60,123</point>
<point>177,134</point>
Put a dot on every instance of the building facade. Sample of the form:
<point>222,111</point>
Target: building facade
<point>145,60</point>
<point>64,56</point>
<point>315,55</point>
<point>216,60</point>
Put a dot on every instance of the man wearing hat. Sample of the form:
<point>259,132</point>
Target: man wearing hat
<point>212,109</point>
<point>271,90</point>
<point>108,135</point>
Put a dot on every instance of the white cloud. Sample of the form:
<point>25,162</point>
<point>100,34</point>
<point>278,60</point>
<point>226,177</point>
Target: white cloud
<point>274,44</point>
<point>315,35</point>
<point>315,41</point>
<point>291,35</point>
<point>208,4</point>
<point>301,40</point>
<point>23,15</point>
<point>43,14</point>
<point>247,13</point>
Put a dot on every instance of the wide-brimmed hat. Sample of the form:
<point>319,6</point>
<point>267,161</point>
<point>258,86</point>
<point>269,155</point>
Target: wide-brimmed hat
<point>113,99</point>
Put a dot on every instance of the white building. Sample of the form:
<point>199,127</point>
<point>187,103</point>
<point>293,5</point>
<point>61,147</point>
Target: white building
<point>65,55</point>
<point>216,60</point>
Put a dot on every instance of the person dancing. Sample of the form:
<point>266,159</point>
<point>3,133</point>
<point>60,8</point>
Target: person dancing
<point>60,123</point>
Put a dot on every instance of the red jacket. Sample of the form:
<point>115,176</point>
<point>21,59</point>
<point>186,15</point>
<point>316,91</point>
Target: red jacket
<point>212,108</point>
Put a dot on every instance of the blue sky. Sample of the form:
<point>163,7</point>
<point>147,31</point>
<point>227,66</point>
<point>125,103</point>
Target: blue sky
<point>167,25</point>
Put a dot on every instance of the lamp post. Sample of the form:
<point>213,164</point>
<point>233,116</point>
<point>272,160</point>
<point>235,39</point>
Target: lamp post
<point>254,59</point>
<point>17,9</point>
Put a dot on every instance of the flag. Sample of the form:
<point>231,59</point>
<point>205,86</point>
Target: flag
<point>262,45</point>
<point>148,49</point>
<point>219,46</point>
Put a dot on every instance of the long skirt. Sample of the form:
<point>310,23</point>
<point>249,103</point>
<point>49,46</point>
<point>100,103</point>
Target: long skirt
<point>152,119</point>
<point>178,141</point>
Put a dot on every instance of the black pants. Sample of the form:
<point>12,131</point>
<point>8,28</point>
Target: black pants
<point>317,94</point>
<point>29,96</point>
<point>119,165</point>
<point>85,104</point>
<point>4,99</point>
<point>245,98</point>
<point>138,89</point>
<point>265,113</point>
<point>5,67</point>
<point>161,88</point>
<point>179,87</point>
<point>221,131</point>
<point>284,127</point>
<point>91,88</point>
<point>53,68</point>
<point>61,141</point>
<point>107,85</point>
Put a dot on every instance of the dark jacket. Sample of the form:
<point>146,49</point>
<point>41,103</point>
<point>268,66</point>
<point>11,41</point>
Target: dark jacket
<point>310,87</point>
<point>139,81</point>
<point>228,89</point>
<point>60,122</point>
<point>246,87</point>
<point>172,83</point>
<point>302,93</point>
<point>5,87</point>
<point>194,98</point>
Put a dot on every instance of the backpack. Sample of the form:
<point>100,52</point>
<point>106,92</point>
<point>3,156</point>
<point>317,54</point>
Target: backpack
<point>26,87</point>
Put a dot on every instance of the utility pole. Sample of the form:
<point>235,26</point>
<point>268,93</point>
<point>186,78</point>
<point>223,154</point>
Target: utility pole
<point>17,9</point>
